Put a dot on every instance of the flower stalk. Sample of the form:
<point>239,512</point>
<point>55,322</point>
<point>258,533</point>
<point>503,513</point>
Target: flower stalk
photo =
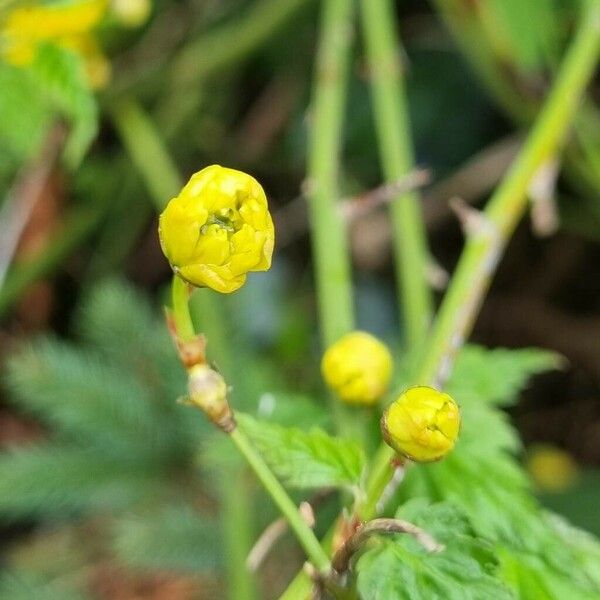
<point>395,149</point>
<point>209,393</point>
<point>329,243</point>
<point>482,250</point>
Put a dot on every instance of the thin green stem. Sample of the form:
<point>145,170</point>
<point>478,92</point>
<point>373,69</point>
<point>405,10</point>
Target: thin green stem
<point>146,149</point>
<point>329,243</point>
<point>162,180</point>
<point>238,532</point>
<point>219,50</point>
<point>396,152</point>
<point>304,533</point>
<point>483,249</point>
<point>180,294</point>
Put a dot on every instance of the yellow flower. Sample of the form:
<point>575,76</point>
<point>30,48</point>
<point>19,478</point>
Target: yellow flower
<point>422,424</point>
<point>218,229</point>
<point>552,469</point>
<point>67,25</point>
<point>358,367</point>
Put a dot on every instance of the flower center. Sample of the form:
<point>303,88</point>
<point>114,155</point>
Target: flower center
<point>227,219</point>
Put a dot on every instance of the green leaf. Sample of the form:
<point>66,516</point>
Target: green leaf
<point>498,500</point>
<point>302,459</point>
<point>52,481</point>
<point>61,78</point>
<point>25,114</point>
<point>84,396</point>
<point>117,320</point>
<point>399,567</point>
<point>22,585</point>
<point>482,477</point>
<point>523,32</point>
<point>497,376</point>
<point>176,538</point>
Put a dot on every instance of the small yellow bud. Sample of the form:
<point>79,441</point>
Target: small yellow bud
<point>131,13</point>
<point>422,424</point>
<point>552,469</point>
<point>218,229</point>
<point>358,367</point>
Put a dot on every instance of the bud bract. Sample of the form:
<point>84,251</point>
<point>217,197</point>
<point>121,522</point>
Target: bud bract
<point>422,424</point>
<point>208,391</point>
<point>218,229</point>
<point>358,367</point>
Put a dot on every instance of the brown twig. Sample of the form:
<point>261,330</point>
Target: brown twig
<point>272,533</point>
<point>291,221</point>
<point>24,195</point>
<point>366,203</point>
<point>341,559</point>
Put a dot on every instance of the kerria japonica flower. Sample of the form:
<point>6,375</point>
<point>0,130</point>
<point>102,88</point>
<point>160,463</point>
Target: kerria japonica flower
<point>68,25</point>
<point>218,229</point>
<point>422,424</point>
<point>358,368</point>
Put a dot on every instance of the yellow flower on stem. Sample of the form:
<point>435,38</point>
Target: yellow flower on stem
<point>358,368</point>
<point>67,25</point>
<point>218,229</point>
<point>422,424</point>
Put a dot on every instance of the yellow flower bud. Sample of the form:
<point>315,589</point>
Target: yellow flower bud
<point>552,469</point>
<point>358,367</point>
<point>218,229</point>
<point>131,13</point>
<point>422,424</point>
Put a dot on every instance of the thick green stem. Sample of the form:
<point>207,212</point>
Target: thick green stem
<point>304,533</point>
<point>237,533</point>
<point>494,227</point>
<point>329,243</point>
<point>396,152</point>
<point>492,231</point>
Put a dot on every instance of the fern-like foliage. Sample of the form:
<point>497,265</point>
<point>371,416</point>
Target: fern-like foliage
<point>118,446</point>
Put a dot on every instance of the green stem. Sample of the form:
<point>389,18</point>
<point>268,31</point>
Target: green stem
<point>396,152</point>
<point>147,150</point>
<point>237,533</point>
<point>162,179</point>
<point>329,243</point>
<point>504,210</point>
<point>482,250</point>
<point>180,293</point>
<point>303,532</point>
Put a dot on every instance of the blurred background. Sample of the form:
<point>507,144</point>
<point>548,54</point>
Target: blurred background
<point>84,96</point>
